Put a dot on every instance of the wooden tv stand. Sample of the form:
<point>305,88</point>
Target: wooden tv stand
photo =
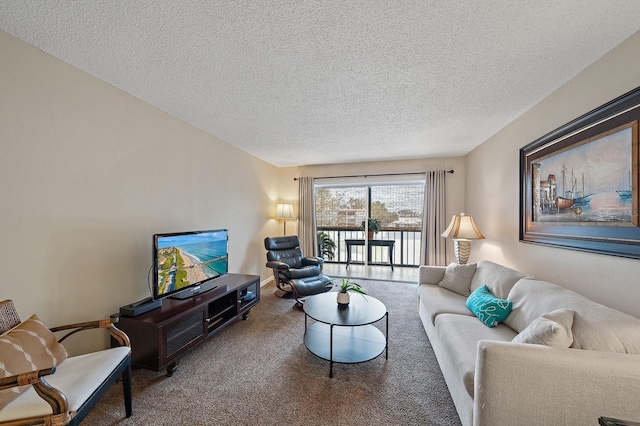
<point>159,338</point>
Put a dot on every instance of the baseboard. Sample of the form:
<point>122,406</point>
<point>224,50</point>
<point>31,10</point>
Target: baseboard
<point>267,281</point>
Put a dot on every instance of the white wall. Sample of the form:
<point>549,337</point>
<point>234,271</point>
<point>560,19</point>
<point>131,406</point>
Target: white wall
<point>88,173</point>
<point>492,191</point>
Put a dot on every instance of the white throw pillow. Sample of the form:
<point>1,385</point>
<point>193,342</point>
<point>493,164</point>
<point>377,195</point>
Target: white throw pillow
<point>457,278</point>
<point>552,329</point>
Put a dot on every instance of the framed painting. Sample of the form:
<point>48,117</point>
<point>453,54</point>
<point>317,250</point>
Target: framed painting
<point>579,183</point>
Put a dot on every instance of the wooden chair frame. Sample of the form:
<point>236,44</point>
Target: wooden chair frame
<point>55,398</point>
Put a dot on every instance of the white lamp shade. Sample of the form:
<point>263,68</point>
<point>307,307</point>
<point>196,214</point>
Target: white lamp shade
<point>284,211</point>
<point>463,227</point>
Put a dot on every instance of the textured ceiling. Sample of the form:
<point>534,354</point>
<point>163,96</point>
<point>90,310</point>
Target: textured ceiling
<point>317,82</point>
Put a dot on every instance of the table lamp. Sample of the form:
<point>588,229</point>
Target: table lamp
<point>284,212</point>
<point>462,229</point>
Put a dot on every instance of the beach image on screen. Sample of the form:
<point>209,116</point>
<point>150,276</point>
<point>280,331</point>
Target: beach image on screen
<point>188,259</point>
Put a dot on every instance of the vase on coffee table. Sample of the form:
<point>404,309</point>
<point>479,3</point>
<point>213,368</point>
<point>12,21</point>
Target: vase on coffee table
<point>344,286</point>
<point>343,299</point>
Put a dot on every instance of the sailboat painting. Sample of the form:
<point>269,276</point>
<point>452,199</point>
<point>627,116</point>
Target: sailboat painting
<point>588,183</point>
<point>579,184</point>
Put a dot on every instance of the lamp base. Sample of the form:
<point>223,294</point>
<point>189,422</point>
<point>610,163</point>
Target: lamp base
<point>462,249</point>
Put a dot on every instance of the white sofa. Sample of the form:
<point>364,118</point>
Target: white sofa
<point>494,381</point>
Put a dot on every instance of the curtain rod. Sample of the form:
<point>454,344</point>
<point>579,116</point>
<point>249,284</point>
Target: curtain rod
<point>381,174</point>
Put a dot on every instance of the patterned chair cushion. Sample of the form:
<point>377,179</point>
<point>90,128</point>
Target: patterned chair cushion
<point>28,347</point>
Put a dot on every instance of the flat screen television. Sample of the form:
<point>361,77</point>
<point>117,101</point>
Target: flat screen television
<point>187,263</point>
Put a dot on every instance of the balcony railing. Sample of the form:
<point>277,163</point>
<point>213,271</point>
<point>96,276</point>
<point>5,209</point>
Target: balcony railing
<point>406,251</point>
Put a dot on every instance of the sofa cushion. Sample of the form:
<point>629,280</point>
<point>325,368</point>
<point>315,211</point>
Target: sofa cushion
<point>30,346</point>
<point>437,300</point>
<point>552,329</point>
<point>460,335</point>
<point>488,308</point>
<point>457,278</point>
<point>595,326</point>
<point>498,278</point>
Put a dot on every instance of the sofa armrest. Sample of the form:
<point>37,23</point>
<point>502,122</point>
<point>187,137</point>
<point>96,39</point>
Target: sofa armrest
<point>108,323</point>
<point>428,274</point>
<point>538,385</point>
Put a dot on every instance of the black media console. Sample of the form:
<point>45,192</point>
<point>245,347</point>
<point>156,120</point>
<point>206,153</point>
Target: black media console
<point>161,336</point>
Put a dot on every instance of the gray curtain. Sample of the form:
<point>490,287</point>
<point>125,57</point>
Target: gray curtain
<point>434,222</point>
<point>307,217</point>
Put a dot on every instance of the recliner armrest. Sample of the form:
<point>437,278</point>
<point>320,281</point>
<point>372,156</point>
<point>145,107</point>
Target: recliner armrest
<point>312,260</point>
<point>274,264</point>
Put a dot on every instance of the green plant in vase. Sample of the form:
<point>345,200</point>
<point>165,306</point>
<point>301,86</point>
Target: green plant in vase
<point>374,225</point>
<point>344,287</point>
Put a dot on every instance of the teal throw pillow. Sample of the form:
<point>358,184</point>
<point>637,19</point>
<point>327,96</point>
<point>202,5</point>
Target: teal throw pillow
<point>488,308</point>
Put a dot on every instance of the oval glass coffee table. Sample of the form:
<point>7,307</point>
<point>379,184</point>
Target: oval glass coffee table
<point>345,334</point>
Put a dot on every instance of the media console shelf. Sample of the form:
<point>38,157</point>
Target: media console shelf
<point>161,336</point>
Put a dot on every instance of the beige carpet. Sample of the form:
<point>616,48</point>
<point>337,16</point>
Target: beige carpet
<point>258,372</point>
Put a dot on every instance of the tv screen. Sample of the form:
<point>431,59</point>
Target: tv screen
<point>187,259</point>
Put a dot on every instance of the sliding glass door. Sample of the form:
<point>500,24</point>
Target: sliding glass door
<point>400,210</point>
<point>342,212</point>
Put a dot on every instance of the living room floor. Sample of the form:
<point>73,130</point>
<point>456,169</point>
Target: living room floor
<point>377,272</point>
